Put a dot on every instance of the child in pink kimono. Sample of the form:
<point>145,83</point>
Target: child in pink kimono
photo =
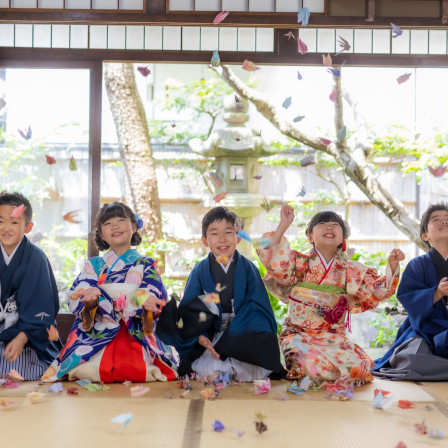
<point>322,288</point>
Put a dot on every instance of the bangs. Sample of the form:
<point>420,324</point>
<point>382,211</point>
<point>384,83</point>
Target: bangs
<point>113,211</point>
<point>327,216</point>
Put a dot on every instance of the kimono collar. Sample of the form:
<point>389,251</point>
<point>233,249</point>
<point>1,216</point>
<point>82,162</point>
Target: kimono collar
<point>7,258</point>
<point>131,256</point>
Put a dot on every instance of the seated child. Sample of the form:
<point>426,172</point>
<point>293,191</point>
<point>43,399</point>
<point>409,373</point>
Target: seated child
<point>420,350</point>
<point>116,299</point>
<point>323,287</point>
<point>231,330</point>
<point>29,295</point>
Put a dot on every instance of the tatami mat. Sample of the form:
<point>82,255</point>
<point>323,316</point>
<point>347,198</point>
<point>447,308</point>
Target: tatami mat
<point>310,424</point>
<point>69,422</point>
<point>163,419</point>
<point>401,390</point>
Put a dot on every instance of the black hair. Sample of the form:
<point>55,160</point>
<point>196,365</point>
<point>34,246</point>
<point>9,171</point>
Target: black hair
<point>15,199</point>
<point>440,206</point>
<point>114,210</point>
<point>327,216</point>
<point>217,214</point>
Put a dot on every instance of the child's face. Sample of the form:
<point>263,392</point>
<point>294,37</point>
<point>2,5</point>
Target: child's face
<point>221,238</point>
<point>326,235</point>
<point>12,229</point>
<point>437,231</point>
<point>117,232</point>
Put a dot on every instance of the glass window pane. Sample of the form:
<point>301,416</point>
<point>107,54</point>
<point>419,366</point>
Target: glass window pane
<point>171,37</point>
<point>98,36</point>
<point>191,38</point>
<point>23,35</point>
<point>348,36</point>
<point>314,5</point>
<point>55,104</point>
<point>437,41</point>
<point>308,36</point>
<point>131,4</point>
<point>326,40</point>
<point>400,45</point>
<point>104,4</point>
<point>287,5</point>
<point>77,4</point>
<point>363,41</point>
<point>381,41</point>
<point>23,3</point>
<point>265,39</point>
<point>60,36</point>
<point>181,5</point>
<point>207,5</point>
<point>51,4</point>
<point>246,39</point>
<point>234,5</point>
<point>153,37</point>
<point>419,41</point>
<point>262,5</point>
<point>135,37</point>
<point>6,35</point>
<point>4,4</point>
<point>79,36</point>
<point>209,38</point>
<point>42,36</point>
<point>116,37</point>
<point>228,39</point>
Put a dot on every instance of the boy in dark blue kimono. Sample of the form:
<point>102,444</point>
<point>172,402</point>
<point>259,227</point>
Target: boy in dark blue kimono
<point>225,322</point>
<point>420,350</point>
<point>29,296</point>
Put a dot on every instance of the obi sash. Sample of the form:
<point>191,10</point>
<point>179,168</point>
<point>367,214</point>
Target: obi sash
<point>317,310</point>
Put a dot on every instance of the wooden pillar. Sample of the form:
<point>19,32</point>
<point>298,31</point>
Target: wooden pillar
<point>96,85</point>
<point>444,12</point>
<point>370,11</point>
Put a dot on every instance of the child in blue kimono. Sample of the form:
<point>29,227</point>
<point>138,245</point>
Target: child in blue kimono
<point>420,350</point>
<point>29,296</point>
<point>116,300</point>
<point>224,322</point>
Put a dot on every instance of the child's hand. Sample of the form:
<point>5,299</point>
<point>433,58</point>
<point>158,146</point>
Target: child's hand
<point>286,215</point>
<point>90,297</point>
<point>14,349</point>
<point>394,258</point>
<point>151,304</point>
<point>205,342</point>
<point>442,290</point>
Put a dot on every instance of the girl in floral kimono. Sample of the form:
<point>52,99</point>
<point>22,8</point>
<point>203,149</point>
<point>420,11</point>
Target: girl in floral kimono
<point>322,288</point>
<point>116,300</point>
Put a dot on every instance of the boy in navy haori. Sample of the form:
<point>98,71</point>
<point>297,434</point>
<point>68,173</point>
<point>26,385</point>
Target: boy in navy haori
<point>29,296</point>
<point>420,350</point>
<point>224,322</point>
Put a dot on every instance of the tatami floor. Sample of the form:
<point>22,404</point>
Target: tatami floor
<point>162,418</point>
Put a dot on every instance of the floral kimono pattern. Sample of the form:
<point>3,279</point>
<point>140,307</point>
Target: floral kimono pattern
<point>314,338</point>
<point>121,331</point>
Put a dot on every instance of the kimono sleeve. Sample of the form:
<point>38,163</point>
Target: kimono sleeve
<point>416,294</point>
<point>86,279</point>
<point>285,267</point>
<point>36,294</point>
<point>369,288</point>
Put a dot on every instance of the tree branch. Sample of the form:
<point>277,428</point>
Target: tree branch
<point>356,170</point>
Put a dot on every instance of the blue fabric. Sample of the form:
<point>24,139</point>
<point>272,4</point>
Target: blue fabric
<point>425,320</point>
<point>29,278</point>
<point>254,320</point>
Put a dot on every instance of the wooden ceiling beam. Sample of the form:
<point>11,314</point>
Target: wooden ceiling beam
<point>272,20</point>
